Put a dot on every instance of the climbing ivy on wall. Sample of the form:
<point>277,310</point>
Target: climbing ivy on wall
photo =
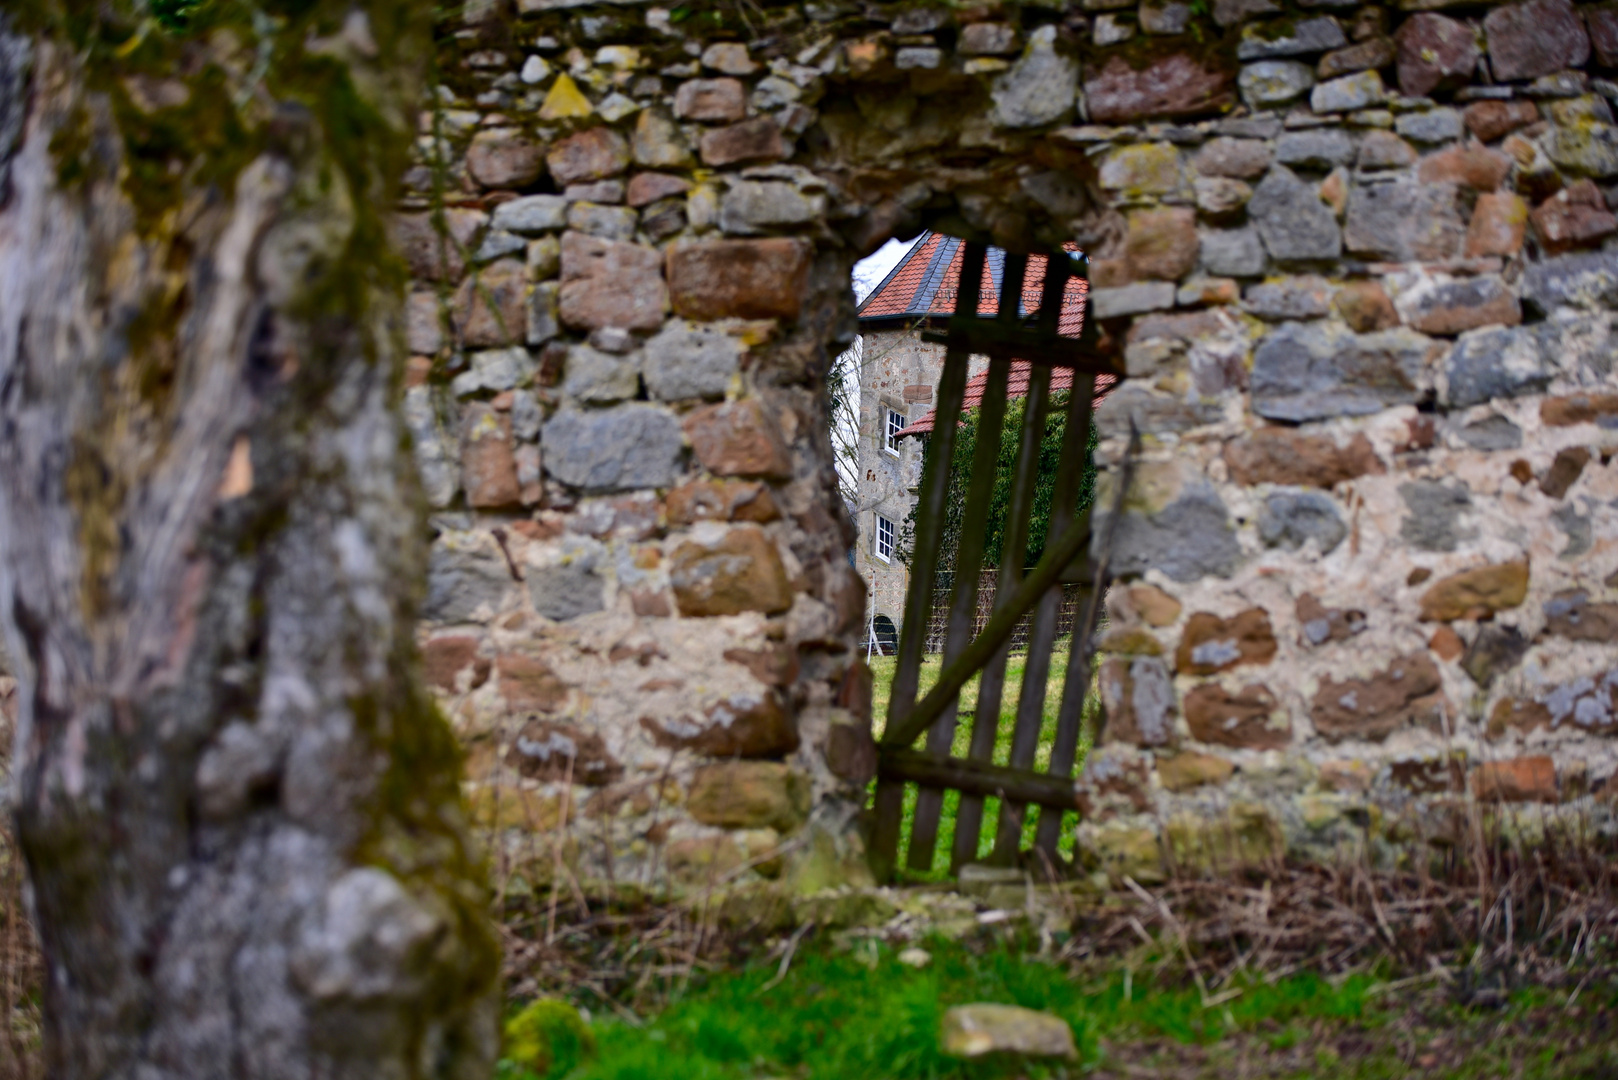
<point>994,521</point>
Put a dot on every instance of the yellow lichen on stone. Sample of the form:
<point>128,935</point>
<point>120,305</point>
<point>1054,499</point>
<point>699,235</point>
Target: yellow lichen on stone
<point>565,101</point>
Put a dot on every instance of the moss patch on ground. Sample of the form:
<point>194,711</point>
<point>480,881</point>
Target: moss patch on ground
<point>857,1011</point>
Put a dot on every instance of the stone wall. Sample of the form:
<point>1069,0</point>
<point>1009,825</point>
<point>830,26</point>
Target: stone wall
<point>1354,257</point>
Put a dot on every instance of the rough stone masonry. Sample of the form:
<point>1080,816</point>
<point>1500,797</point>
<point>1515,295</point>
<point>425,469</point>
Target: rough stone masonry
<point>1363,264</point>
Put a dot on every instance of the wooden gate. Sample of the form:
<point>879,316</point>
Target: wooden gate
<point>1013,332</point>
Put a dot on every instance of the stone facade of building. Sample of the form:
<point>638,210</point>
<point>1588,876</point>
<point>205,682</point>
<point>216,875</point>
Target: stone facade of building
<point>1360,261</point>
<point>899,377</point>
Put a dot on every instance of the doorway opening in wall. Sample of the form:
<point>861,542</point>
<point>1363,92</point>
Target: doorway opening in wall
<point>882,637</point>
<point>981,499</point>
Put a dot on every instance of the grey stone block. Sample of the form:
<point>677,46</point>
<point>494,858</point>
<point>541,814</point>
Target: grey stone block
<point>566,591</point>
<point>1190,538</point>
<point>630,446</point>
<point>543,321</point>
<point>1490,433</point>
<point>1152,412</point>
<point>437,456</point>
<point>751,206</point>
<point>690,360</point>
<point>1263,40</point>
<point>1041,87</point>
<point>498,244</point>
<point>1294,516</point>
<point>1495,362</point>
<point>464,574</point>
<point>1303,297</point>
<point>1232,252</point>
<point>1291,218</point>
<point>1321,149</point>
<point>1582,281</point>
<point>531,214</point>
<point>1274,82</point>
<point>1311,371</point>
<point>1349,93</point>
<point>1404,221</point>
<point>600,378</point>
<point>526,417</point>
<point>1436,509</point>
<point>495,370</point>
<point>1134,299</point>
<point>1430,125</point>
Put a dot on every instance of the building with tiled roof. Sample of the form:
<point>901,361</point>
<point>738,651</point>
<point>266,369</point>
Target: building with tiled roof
<point>899,376</point>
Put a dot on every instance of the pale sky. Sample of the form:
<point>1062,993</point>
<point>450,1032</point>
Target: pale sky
<point>869,271</point>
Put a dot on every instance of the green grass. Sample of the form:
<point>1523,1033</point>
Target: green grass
<point>883,668</point>
<point>858,1013</point>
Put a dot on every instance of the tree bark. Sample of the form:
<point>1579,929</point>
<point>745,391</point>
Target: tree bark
<point>239,809</point>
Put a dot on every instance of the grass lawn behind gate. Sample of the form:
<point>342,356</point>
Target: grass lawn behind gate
<point>883,669</point>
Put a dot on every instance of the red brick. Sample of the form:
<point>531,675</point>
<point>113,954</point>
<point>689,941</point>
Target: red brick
<point>1283,456</point>
<point>1365,306</point>
<point>505,158</point>
<point>490,308</point>
<point>1178,84</point>
<point>1409,691</point>
<point>1522,779</point>
<point>1241,720</point>
<point>488,468</point>
<point>1489,120</point>
<point>589,155</point>
<point>745,279</point>
<point>551,752</point>
<point>1577,409</point>
<point>1446,643</point>
<point>528,684</point>
<point>417,240</point>
<point>758,139</point>
<point>1162,243</point>
<point>648,187</point>
<point>742,726</point>
<point>738,439</point>
<point>446,656</point>
<point>721,500</point>
<point>711,100</point>
<point>611,283</point>
<point>771,664</point>
<point>740,572</point>
<point>1210,644</point>
<point>1574,217</point>
<point>1472,164</point>
<point>1434,51</point>
<point>1499,221</point>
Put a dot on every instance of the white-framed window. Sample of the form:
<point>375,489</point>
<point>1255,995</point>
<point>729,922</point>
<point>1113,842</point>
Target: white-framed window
<point>885,532</point>
<point>893,424</point>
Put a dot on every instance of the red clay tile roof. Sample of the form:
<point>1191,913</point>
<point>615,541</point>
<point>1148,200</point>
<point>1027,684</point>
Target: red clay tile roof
<point>1016,387</point>
<point>922,285</point>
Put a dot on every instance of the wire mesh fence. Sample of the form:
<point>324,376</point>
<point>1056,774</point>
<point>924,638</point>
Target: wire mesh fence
<point>881,638</point>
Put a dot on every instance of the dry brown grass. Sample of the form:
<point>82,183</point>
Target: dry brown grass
<point>1498,915</point>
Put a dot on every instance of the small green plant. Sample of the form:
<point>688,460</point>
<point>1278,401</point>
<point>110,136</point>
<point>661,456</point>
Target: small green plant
<point>547,1038</point>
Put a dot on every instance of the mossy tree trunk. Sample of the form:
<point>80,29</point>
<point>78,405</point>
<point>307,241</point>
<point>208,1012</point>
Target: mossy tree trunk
<point>240,811</point>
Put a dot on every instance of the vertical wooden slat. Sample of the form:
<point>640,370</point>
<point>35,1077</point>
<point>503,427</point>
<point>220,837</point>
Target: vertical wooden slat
<point>1030,714</point>
<point>991,684</point>
<point>968,558</point>
<point>889,802</point>
<point>1042,634</point>
<point>963,605</point>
